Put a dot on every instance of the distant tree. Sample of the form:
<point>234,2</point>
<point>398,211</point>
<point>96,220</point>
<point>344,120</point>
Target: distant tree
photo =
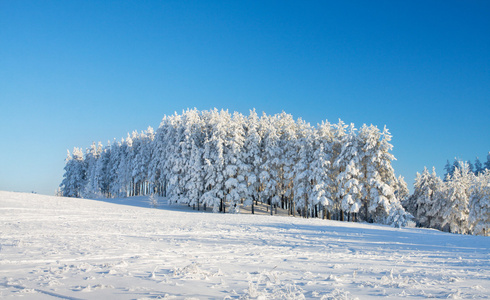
<point>91,188</point>
<point>478,167</point>
<point>102,171</point>
<point>401,191</point>
<point>471,167</point>
<point>487,163</point>
<point>449,169</point>
<point>420,204</point>
<point>479,206</point>
<point>456,209</point>
<point>75,174</point>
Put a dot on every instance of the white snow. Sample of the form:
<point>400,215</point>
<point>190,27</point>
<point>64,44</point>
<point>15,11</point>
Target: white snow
<point>65,248</point>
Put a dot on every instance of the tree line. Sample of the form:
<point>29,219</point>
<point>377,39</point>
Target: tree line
<point>224,161</point>
<point>460,203</point>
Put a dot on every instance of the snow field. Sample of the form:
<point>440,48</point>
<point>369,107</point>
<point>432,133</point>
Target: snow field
<point>52,247</point>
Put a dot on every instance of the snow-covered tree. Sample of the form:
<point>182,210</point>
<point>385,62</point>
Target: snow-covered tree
<point>325,188</point>
<point>75,174</point>
<point>478,166</point>
<point>349,177</point>
<point>91,188</point>
<point>455,212</point>
<point>487,163</point>
<point>236,167</point>
<point>423,204</point>
<point>102,171</point>
<point>214,161</point>
<point>252,159</point>
<point>379,176</point>
<point>303,185</point>
<point>269,168</point>
<point>479,206</point>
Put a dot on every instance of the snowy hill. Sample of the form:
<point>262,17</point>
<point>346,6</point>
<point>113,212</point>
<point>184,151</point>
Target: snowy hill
<point>66,248</point>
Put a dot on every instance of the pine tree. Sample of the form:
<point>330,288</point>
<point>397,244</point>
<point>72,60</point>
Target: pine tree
<point>268,175</point>
<point>339,135</point>
<point>478,167</point>
<point>102,171</point>
<point>214,161</point>
<point>324,156</point>
<point>449,169</point>
<point>74,180</point>
<point>252,159</point>
<point>348,179</point>
<point>303,180</point>
<point>479,206</point>
<point>456,210</point>
<point>236,168</point>
<point>425,198</point>
<point>91,189</point>
<point>487,163</point>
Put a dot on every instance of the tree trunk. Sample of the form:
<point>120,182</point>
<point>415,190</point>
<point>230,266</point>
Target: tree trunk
<point>366,212</point>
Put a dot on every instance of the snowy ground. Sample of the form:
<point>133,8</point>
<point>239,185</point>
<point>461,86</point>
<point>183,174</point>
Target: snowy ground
<point>83,249</point>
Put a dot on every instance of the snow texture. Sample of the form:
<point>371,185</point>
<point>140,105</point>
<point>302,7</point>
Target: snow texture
<point>66,248</point>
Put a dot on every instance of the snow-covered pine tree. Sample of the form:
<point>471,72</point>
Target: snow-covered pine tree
<point>66,186</point>
<point>479,206</point>
<point>195,173</point>
<point>114,188</point>
<point>268,175</point>
<point>379,178</point>
<point>425,198</point>
<point>401,191</point>
<point>140,163</point>
<point>303,172</point>
<point>74,180</point>
<point>455,212</point>
<point>125,166</point>
<point>348,179</point>
<point>288,137</point>
<point>102,171</point>
<point>324,170</point>
<point>487,163</point>
<point>235,184</point>
<point>478,166</point>
<point>91,189</point>
<point>179,150</point>
<point>449,169</point>
<point>252,156</point>
<point>214,162</point>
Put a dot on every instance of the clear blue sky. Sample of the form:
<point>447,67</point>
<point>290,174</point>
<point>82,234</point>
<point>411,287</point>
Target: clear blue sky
<point>73,72</point>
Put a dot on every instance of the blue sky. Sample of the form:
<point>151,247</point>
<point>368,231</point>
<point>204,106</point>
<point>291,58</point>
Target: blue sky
<point>73,72</point>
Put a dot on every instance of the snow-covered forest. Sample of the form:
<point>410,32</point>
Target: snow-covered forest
<point>226,161</point>
<point>460,203</point>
